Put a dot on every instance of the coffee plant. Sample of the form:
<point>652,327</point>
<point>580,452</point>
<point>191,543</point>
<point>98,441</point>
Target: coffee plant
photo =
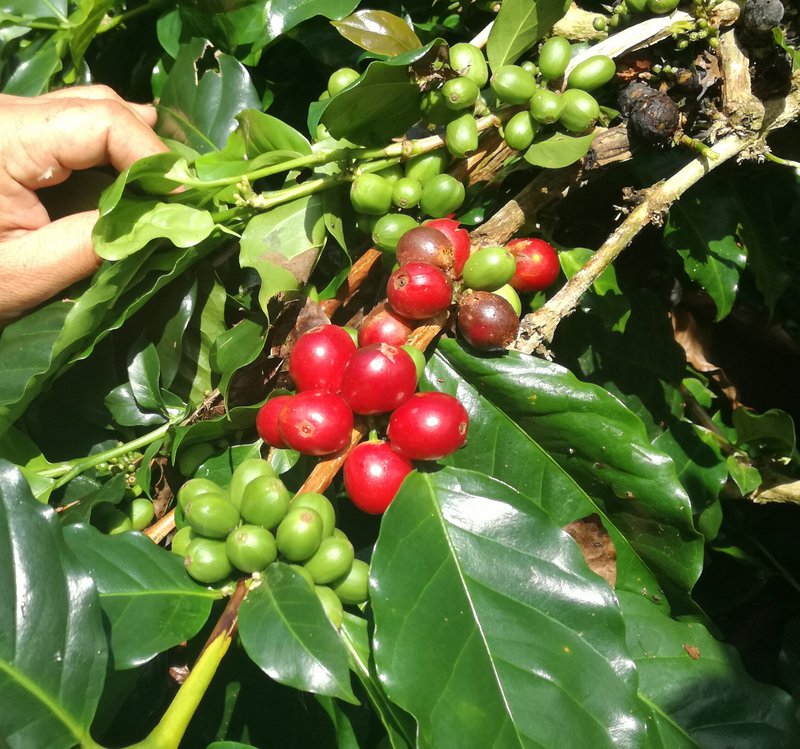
<point>437,387</point>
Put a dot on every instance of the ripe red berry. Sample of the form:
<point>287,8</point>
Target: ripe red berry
<point>319,358</point>
<point>373,473</point>
<point>384,325</point>
<point>419,290</point>
<point>426,244</point>
<point>459,238</point>
<point>267,420</point>
<point>486,320</point>
<point>537,264</point>
<point>316,422</point>
<point>378,379</point>
<point>428,426</point>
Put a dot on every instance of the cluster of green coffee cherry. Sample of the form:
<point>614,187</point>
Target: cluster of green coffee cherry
<point>135,512</point>
<point>255,521</point>
<point>684,32</point>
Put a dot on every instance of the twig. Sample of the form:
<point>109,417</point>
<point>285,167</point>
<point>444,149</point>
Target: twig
<point>358,273</point>
<point>159,530</point>
<point>537,328</point>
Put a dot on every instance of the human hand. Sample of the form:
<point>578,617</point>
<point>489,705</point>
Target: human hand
<point>42,141</point>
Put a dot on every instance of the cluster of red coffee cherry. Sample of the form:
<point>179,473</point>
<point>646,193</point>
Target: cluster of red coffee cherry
<point>335,379</point>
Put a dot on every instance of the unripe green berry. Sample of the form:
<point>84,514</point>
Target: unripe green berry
<point>341,79</point>
<point>460,93</point>
<point>371,194</point>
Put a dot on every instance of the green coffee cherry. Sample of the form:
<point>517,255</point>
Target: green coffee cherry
<point>489,268</point>
<point>251,548</point>
<point>211,516</point>
<point>512,84</point>
<point>406,193</point>
<point>353,588</point>
<point>529,67</point>
<point>441,196</point>
<point>554,57</point>
<point>636,6</point>
<point>330,604</point>
<point>546,106</point>
<point>192,457</point>
<point>207,561</point>
<point>182,539</point>
<point>509,293</point>
<point>320,504</point>
<point>389,228</point>
<point>304,573</point>
<point>141,513</point>
<point>519,131</point>
<point>392,173</point>
<point>661,7</point>
<point>340,79</point>
<point>592,73</point>
<point>434,109</point>
<point>417,356</point>
<point>371,194</point>
<point>194,488</point>
<point>339,533</point>
<point>426,166</point>
<point>365,224</point>
<point>467,60</point>
<point>111,520</point>
<point>460,93</point>
<point>265,501</point>
<point>332,560</point>
<point>461,135</point>
<point>299,534</point>
<point>244,473</point>
<point>580,110</point>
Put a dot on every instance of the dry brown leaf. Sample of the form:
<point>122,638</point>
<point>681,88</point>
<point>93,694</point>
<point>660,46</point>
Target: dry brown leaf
<point>596,546</point>
<point>693,652</point>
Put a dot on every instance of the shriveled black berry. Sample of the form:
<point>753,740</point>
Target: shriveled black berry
<point>633,95</point>
<point>761,16</point>
<point>652,115</point>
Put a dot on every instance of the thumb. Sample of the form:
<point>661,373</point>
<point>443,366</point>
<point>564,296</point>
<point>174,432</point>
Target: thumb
<point>38,264</point>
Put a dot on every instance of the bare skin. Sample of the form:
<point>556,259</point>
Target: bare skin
<point>42,141</point>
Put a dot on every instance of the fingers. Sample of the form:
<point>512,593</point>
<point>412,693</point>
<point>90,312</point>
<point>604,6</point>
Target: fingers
<point>43,141</point>
<point>146,112</point>
<point>39,264</point>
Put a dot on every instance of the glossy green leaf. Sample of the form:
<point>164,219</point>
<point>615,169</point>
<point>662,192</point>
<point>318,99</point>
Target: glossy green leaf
<point>283,245</point>
<point>205,430</point>
<point>134,223</point>
<point>284,15</point>
<point>83,495</point>
<point>773,430</point>
<point>519,25</point>
<point>285,631</point>
<point>698,693</point>
<point>262,133</point>
<point>380,105</point>
<point>219,468</point>
<point>602,445</point>
<point>744,475</point>
<point>604,298</point>
<point>506,452</point>
<point>379,32</point>
<point>37,65</point>
<point>53,647</point>
<point>701,227</point>
<point>149,601</point>
<point>236,348</point>
<point>199,104</point>
<point>488,623</point>
<point>559,150</point>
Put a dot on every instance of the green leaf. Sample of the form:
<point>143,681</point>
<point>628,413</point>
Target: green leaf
<point>519,25</point>
<point>53,648</point>
<point>285,631</point>
<point>696,688</point>
<point>504,451</point>
<point>235,420</point>
<point>484,633</point>
<point>236,348</point>
<point>602,445</point>
<point>37,66</point>
<point>202,96</point>
<point>773,430</point>
<point>283,245</point>
<point>559,150</point>
<point>78,509</point>
<point>135,222</point>
<point>605,297</point>
<point>379,32</point>
<point>262,133</point>
<point>219,468</point>
<point>382,104</point>
<point>745,476</point>
<point>284,15</point>
<point>151,604</point>
<point>701,227</point>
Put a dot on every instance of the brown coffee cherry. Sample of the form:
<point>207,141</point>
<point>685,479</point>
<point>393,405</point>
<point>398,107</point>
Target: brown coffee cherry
<point>426,245</point>
<point>487,321</point>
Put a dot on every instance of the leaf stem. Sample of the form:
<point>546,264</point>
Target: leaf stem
<point>111,22</point>
<point>266,200</point>
<point>778,160</point>
<point>68,470</point>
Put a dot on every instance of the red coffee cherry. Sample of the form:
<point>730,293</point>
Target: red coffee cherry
<point>316,422</point>
<point>428,426</point>
<point>425,244</point>
<point>537,264</point>
<point>458,237</point>
<point>319,357</point>
<point>419,290</point>
<point>267,421</point>
<point>378,379</point>
<point>486,320</point>
<point>373,473</point>
<point>384,325</point>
